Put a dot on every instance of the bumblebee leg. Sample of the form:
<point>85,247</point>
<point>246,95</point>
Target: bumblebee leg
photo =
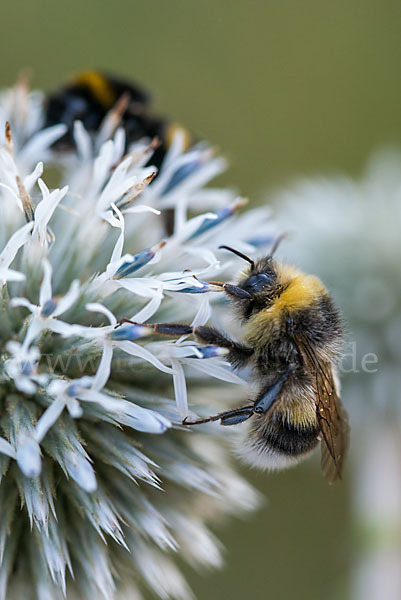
<point>267,397</point>
<point>262,404</point>
<point>238,354</point>
<point>229,417</point>
<point>232,290</point>
<point>236,291</point>
<point>162,328</point>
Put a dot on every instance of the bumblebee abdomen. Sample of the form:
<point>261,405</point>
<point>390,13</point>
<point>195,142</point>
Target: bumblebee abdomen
<point>271,444</point>
<point>289,440</point>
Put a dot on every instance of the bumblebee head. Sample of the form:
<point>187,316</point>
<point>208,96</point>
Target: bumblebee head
<point>256,288</point>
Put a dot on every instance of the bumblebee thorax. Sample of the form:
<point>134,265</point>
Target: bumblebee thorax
<point>299,293</point>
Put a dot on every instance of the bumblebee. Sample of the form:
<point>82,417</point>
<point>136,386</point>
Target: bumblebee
<point>292,338</point>
<point>90,95</point>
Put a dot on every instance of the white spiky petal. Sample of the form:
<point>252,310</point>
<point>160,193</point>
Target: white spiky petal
<point>90,416</point>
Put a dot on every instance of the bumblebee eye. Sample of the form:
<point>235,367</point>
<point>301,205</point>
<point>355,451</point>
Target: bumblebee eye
<point>256,282</point>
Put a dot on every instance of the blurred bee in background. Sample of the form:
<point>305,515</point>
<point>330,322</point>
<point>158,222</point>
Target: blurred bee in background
<point>292,339</point>
<point>90,95</point>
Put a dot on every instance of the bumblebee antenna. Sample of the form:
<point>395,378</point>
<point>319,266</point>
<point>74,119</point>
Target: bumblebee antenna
<point>238,253</point>
<point>277,244</point>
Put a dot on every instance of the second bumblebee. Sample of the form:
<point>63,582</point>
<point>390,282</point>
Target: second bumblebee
<point>90,95</point>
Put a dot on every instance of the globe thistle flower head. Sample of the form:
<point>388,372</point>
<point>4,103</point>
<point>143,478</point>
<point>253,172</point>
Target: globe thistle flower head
<point>100,484</point>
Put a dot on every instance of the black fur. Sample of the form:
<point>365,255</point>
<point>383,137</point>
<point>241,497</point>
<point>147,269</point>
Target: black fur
<point>281,437</point>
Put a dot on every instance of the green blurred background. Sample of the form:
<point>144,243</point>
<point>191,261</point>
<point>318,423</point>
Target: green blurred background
<point>282,89</point>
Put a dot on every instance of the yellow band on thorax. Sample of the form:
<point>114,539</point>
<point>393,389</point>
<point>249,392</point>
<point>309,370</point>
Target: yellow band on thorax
<point>300,292</point>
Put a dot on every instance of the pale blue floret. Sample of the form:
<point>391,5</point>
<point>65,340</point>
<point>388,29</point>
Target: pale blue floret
<point>48,308</point>
<point>208,351</point>
<point>196,289</point>
<point>138,261</point>
<point>130,332</point>
<point>213,220</point>
<point>182,173</point>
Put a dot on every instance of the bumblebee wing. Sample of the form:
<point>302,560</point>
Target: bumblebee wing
<point>331,414</point>
<point>333,423</point>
